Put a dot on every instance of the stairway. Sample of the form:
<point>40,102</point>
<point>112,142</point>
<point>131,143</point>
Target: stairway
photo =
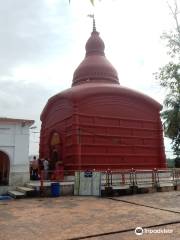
<point>22,192</point>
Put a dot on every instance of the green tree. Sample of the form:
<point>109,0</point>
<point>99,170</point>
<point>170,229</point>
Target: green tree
<point>169,77</point>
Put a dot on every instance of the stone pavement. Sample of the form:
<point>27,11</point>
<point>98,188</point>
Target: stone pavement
<point>82,217</point>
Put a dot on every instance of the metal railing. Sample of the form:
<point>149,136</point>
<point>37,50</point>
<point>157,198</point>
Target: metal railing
<point>118,179</point>
<point>140,178</point>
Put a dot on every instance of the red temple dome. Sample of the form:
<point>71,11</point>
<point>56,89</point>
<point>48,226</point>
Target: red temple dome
<point>99,124</point>
<point>95,44</point>
<point>95,66</point>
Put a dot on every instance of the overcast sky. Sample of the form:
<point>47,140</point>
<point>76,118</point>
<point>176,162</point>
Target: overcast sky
<point>42,42</point>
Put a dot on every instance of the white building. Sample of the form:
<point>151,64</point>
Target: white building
<point>14,150</point>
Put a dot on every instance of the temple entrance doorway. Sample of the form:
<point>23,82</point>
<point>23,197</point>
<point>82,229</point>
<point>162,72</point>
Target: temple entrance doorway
<point>4,168</point>
<point>56,160</point>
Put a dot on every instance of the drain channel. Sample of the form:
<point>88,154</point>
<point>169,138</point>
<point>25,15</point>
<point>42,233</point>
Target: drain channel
<point>143,205</point>
<point>123,231</point>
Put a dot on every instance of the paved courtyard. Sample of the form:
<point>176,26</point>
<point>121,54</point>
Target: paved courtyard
<point>91,218</point>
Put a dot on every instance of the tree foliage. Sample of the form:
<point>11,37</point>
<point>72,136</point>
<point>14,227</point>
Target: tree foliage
<point>169,77</point>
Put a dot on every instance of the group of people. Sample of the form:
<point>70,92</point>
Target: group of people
<point>45,169</point>
<point>37,166</point>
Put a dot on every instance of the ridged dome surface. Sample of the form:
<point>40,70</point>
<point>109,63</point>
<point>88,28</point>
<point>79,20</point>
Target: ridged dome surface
<point>95,66</point>
<point>95,45</point>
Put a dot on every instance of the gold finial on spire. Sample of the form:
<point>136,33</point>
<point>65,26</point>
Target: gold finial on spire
<point>94,22</point>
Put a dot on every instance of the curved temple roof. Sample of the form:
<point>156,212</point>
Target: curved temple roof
<point>95,66</point>
<point>95,75</point>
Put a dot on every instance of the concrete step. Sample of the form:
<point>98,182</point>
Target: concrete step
<point>66,188</point>
<point>37,184</point>
<point>166,184</point>
<point>29,192</point>
<point>16,194</point>
<point>145,185</point>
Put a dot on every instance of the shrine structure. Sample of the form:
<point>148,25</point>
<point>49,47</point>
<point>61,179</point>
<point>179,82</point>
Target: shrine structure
<point>99,124</point>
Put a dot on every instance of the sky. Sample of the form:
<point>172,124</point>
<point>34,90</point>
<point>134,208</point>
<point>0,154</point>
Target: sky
<point>43,41</point>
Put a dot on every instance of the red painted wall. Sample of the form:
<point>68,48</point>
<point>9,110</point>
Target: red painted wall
<point>105,130</point>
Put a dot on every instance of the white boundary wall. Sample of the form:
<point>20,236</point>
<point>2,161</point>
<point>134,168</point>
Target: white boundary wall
<point>14,141</point>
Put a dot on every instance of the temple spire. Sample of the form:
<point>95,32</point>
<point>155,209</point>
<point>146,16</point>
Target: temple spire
<point>94,22</point>
<point>95,66</point>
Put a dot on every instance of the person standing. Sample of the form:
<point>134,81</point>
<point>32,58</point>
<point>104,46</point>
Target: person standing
<point>34,169</point>
<point>46,168</point>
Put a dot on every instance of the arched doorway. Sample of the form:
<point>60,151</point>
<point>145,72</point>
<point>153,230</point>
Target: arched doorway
<point>4,168</point>
<point>55,150</point>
